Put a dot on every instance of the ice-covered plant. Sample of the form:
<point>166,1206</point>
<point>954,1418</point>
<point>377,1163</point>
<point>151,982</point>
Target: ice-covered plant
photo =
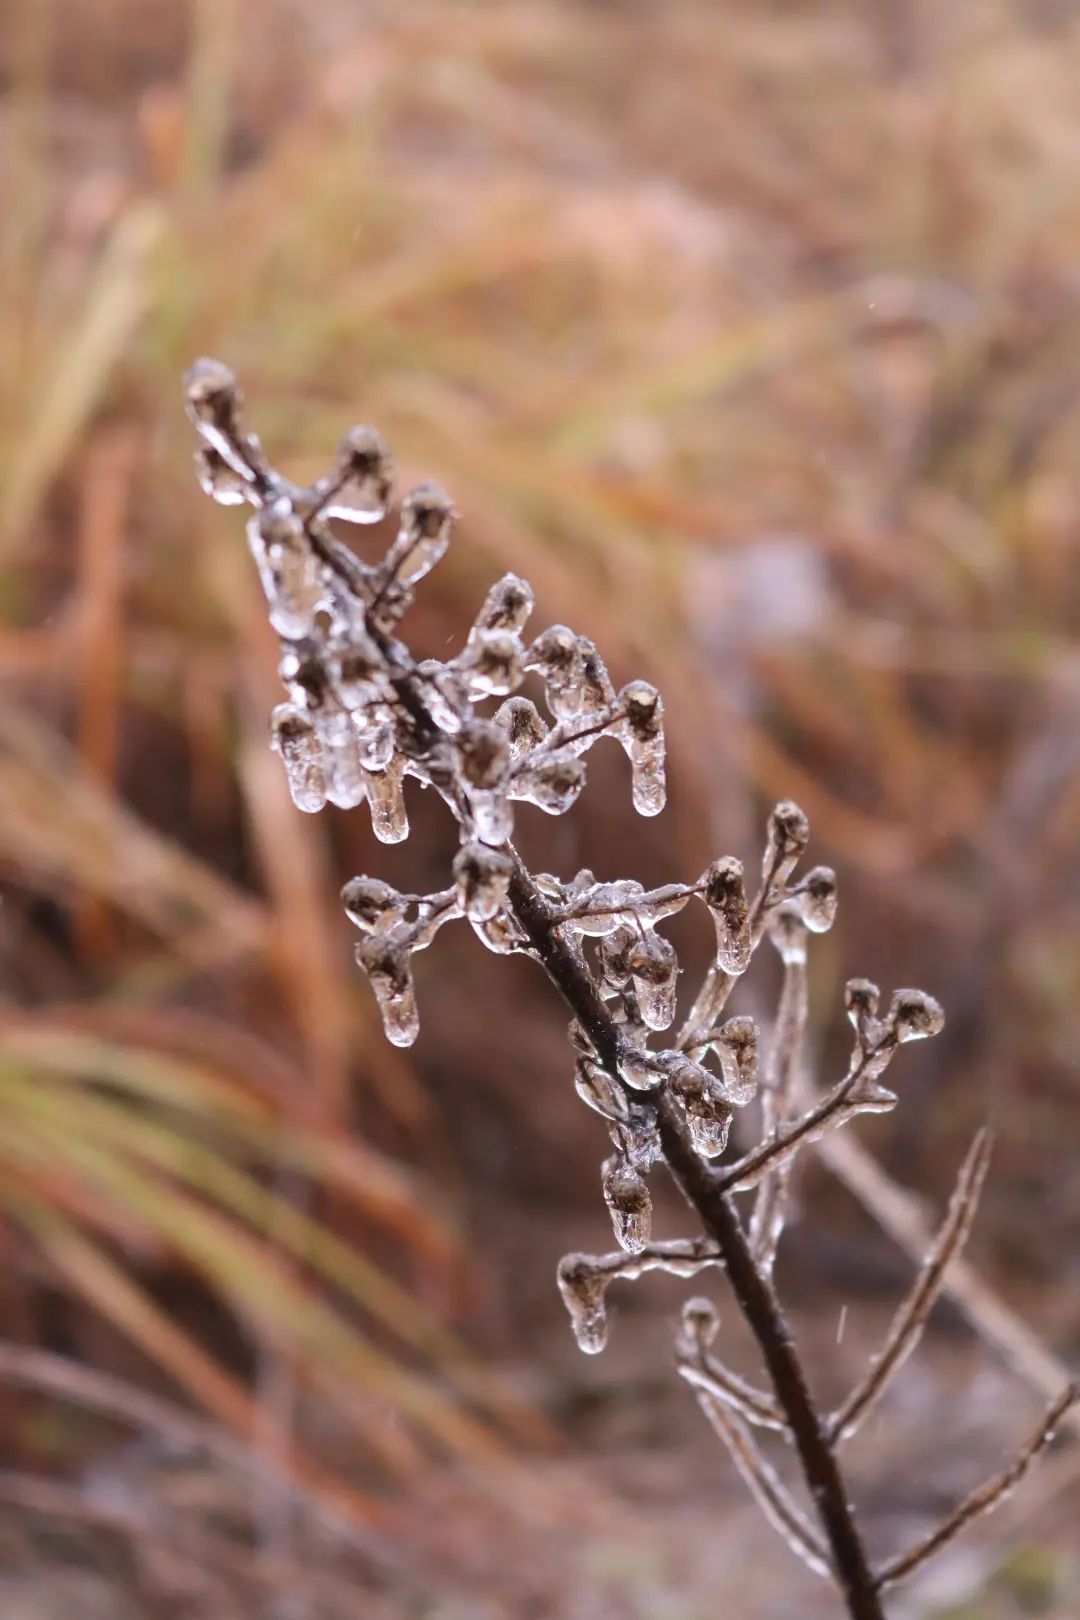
<point>360,715</point>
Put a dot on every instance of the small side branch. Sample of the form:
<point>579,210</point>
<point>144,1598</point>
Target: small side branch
<point>983,1500</point>
<point>907,1325</point>
<point>765,1486</point>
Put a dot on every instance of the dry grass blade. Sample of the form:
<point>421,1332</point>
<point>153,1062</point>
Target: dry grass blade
<point>985,1498</point>
<point>911,1317</point>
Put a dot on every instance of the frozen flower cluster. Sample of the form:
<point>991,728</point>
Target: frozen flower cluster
<point>361,715</point>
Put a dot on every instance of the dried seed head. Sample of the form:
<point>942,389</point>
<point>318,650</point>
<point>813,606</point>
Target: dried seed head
<point>787,836</point>
<point>816,895</point>
<point>642,735</point>
<point>213,393</point>
<point>644,710</point>
<point>523,723</point>
<point>427,520</point>
<point>361,481</point>
<point>385,960</point>
<point>629,1204</point>
<point>700,1323</point>
<point>483,753</point>
<point>740,1036</point>
<point>583,1289</point>
<point>913,1015</point>
<point>492,663</point>
<point>482,876</point>
<point>372,905</point>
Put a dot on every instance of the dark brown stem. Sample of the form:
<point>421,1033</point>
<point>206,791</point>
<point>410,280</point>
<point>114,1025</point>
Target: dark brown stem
<point>752,1291</point>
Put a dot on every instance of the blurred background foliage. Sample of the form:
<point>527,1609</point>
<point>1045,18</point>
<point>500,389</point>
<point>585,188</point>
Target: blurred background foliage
<point>750,333</point>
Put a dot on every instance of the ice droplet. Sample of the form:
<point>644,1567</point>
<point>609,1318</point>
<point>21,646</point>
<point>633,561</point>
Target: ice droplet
<point>491,664</point>
<point>725,896</point>
<point>359,485</point>
<point>816,897</point>
<point>524,725</point>
<point>482,876</point>
<point>219,479</point>
<point>583,1290</point>
<point>372,904</point>
<point>386,798</point>
<point>553,783</point>
<point>629,1205</point>
<point>427,519</point>
<point>557,656</point>
<point>642,735</point>
<point>654,968</point>
<point>507,605</point>
<point>293,736</point>
<point>385,960</point>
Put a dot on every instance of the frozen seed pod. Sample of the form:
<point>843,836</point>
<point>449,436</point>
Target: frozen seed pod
<point>482,876</point>
<point>483,758</point>
<point>219,479</point>
<point>787,835</point>
<point>629,1205</point>
<point>816,898</point>
<point>524,725</point>
<point>861,999</point>
<point>500,933</point>
<point>638,1067</point>
<point>290,571</point>
<point>215,406</point>
<point>613,955</point>
<point>787,930</point>
<point>372,905</point>
<point>739,1036</point>
<point>642,735</point>
<point>654,968</point>
<point>599,1091</point>
<point>445,695</point>
<point>557,657</point>
<point>553,783</point>
<point>707,1109</point>
<point>359,486</point>
<point>582,1289</point>
<point>427,520</point>
<point>914,1016</point>
<point>386,799</point>
<point>507,605</point>
<point>597,691</point>
<point>491,664</point>
<point>385,960</point>
<point>724,893</point>
<point>700,1324</point>
<point>294,737</point>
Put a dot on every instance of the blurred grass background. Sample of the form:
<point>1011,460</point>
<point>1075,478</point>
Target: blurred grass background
<point>751,335</point>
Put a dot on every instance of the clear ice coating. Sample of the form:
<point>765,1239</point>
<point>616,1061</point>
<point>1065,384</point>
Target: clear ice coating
<point>643,739</point>
<point>427,521</point>
<point>385,960</point>
<point>583,1289</point>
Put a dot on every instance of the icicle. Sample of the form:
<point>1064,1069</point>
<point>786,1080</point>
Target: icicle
<point>654,968</point>
<point>427,520</point>
<point>724,894</point>
<point>482,876</point>
<point>739,1037</point>
<point>358,488</point>
<point>643,738</point>
<point>582,1290</point>
<point>553,783</point>
<point>816,898</point>
<point>219,479</point>
<point>373,905</point>
<point>385,960</point>
<point>491,664</point>
<point>294,737</point>
<point>289,570</point>
<point>524,725</point>
<point>629,1204</point>
<point>556,654</point>
<point>345,784</point>
<point>507,605</point>
<point>386,798</point>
